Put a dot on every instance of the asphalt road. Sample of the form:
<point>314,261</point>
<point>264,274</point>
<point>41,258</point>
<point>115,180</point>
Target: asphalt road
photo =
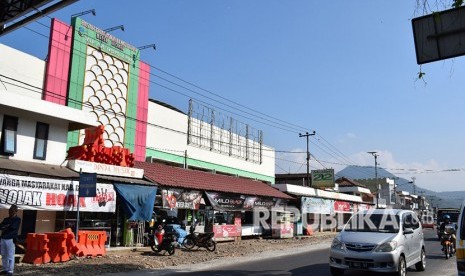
<point>314,262</point>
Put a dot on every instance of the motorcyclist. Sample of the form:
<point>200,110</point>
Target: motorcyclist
<point>442,229</point>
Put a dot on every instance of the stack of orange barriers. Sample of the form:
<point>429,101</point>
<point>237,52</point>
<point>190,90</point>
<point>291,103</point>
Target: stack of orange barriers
<point>36,249</point>
<point>62,246</point>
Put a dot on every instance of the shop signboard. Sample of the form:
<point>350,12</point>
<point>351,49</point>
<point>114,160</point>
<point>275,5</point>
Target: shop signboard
<point>229,202</point>
<point>228,230</point>
<point>363,207</point>
<point>235,202</point>
<point>31,193</point>
<point>87,184</point>
<point>105,169</point>
<point>181,199</point>
<point>317,205</point>
<point>343,207</point>
<point>256,201</point>
<point>323,178</point>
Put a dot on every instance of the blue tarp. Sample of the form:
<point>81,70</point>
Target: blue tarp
<point>137,200</point>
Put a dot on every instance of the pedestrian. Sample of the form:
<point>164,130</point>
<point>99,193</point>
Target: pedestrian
<point>9,227</point>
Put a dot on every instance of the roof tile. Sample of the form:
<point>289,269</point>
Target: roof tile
<point>172,176</point>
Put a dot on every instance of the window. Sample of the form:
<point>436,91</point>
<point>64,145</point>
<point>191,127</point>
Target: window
<point>408,220</point>
<point>8,139</point>
<point>40,145</point>
<point>415,222</point>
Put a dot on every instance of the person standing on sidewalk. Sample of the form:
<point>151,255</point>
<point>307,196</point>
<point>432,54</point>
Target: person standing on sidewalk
<point>9,227</point>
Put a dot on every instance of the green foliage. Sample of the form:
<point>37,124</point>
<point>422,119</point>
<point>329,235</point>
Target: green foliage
<point>457,3</point>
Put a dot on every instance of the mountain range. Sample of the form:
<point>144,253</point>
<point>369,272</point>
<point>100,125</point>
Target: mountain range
<point>437,199</point>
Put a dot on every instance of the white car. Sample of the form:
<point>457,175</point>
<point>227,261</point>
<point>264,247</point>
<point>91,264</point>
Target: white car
<point>380,240</point>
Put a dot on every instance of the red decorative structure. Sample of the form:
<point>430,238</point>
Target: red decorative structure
<point>93,150</point>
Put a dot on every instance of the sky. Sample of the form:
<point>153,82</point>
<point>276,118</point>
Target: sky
<point>345,69</point>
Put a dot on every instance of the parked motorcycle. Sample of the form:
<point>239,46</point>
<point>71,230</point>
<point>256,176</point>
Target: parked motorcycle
<point>159,240</point>
<point>447,242</point>
<point>199,239</point>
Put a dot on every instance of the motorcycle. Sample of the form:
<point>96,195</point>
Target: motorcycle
<point>199,239</point>
<point>159,240</point>
<point>447,243</point>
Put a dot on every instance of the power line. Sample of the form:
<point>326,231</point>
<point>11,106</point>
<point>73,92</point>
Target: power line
<point>274,124</point>
<point>331,149</point>
<point>289,128</point>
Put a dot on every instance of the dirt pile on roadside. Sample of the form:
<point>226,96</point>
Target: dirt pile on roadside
<point>144,258</point>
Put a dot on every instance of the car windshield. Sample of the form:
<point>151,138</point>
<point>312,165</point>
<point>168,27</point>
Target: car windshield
<point>384,223</point>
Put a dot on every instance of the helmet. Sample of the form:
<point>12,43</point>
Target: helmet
<point>446,217</point>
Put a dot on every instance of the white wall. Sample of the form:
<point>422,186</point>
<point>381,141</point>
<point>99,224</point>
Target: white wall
<point>23,67</point>
<point>57,137</point>
<point>167,131</point>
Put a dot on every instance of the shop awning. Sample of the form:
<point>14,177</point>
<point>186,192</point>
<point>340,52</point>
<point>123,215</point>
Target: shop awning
<point>311,192</point>
<point>137,200</point>
<point>171,176</point>
<point>9,165</point>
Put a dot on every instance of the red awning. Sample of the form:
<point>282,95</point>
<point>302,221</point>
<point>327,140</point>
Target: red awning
<point>172,176</point>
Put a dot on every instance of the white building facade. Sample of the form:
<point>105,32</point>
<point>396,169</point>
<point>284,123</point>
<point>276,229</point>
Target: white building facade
<point>171,137</point>
<point>33,141</point>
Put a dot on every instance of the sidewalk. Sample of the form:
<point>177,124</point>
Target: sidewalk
<point>123,260</point>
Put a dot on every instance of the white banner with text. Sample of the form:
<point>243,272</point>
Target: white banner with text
<point>32,193</point>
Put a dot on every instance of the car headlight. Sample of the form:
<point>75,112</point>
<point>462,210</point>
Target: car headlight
<point>387,247</point>
<point>337,244</point>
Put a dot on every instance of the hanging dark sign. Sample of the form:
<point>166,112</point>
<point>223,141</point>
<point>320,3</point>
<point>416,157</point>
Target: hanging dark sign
<point>235,202</point>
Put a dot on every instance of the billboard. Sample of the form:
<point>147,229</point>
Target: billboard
<point>323,178</point>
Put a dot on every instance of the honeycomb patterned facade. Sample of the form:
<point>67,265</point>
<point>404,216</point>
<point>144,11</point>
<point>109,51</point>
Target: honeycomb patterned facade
<point>105,94</point>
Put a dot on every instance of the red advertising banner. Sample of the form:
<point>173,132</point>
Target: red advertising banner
<point>342,207</point>
<point>228,230</point>
<point>181,199</point>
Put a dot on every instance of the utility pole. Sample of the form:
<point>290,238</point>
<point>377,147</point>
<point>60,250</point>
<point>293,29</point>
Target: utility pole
<point>306,135</point>
<point>375,155</point>
<point>414,186</point>
<point>395,190</point>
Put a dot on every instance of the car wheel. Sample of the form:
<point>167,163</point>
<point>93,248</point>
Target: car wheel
<point>402,267</point>
<point>421,265</point>
<point>336,271</point>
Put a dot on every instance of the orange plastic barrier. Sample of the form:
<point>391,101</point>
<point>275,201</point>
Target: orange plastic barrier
<point>57,248</point>
<point>309,231</point>
<point>92,243</point>
<point>71,243</point>
<point>36,249</point>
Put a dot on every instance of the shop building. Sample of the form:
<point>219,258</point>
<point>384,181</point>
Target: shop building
<point>351,187</point>
<point>317,206</point>
<point>222,204</point>
<point>33,145</point>
<point>90,78</point>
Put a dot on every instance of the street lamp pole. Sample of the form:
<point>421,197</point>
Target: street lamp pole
<point>306,135</point>
<point>375,155</point>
